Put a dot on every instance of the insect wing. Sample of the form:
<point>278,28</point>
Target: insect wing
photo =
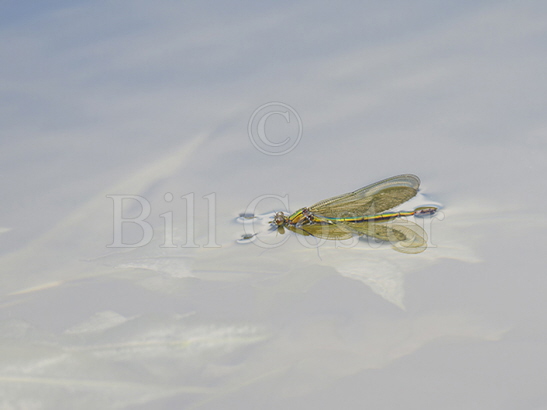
<point>405,236</point>
<point>325,230</point>
<point>372,199</point>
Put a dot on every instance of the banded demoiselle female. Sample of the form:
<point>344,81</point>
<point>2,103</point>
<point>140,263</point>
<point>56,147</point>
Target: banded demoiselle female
<point>362,213</point>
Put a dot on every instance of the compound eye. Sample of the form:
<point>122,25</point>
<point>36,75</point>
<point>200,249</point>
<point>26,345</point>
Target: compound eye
<point>279,218</point>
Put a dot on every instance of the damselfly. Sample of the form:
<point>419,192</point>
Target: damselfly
<point>362,213</point>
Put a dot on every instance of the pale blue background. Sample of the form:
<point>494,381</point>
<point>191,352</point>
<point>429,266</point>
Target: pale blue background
<point>134,97</point>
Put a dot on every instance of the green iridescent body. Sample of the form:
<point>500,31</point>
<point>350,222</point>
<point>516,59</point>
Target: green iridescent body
<point>362,213</point>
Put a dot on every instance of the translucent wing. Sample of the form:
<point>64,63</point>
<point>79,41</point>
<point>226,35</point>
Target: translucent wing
<point>324,230</point>
<point>405,236</point>
<point>372,199</point>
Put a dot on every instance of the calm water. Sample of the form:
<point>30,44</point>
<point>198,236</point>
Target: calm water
<point>166,105</point>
